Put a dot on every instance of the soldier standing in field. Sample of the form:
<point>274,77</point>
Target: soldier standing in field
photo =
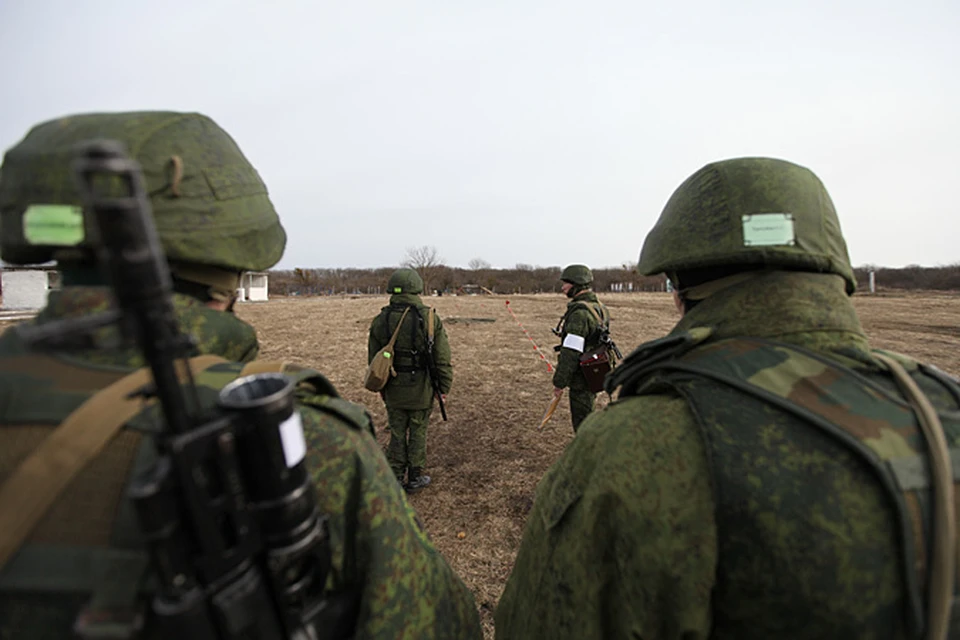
<point>763,473</point>
<point>82,568</point>
<point>410,394</point>
<point>580,331</point>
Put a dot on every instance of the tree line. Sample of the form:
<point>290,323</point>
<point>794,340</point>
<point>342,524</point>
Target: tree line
<point>480,277</point>
<point>447,280</point>
<point>945,278</point>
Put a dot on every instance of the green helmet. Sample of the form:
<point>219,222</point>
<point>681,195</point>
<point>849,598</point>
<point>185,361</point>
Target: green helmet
<point>578,274</point>
<point>748,211</point>
<point>209,204</point>
<point>405,281</point>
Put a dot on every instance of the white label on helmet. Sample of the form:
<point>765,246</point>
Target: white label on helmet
<point>766,229</point>
<point>291,437</point>
<point>573,342</point>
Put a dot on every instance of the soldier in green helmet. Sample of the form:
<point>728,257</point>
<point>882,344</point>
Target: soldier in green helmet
<point>215,221</point>
<point>763,472</point>
<point>410,394</point>
<point>579,330</point>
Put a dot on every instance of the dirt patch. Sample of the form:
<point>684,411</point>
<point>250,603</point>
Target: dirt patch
<point>487,459</point>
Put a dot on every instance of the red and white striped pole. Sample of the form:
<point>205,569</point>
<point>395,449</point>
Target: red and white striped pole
<point>535,347</point>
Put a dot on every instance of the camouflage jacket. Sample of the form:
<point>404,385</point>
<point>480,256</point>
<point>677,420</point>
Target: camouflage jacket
<point>578,333</point>
<point>689,511</point>
<point>411,388</point>
<point>407,590</point>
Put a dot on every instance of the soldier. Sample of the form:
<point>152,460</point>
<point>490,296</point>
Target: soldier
<point>409,395</point>
<point>215,221</point>
<point>580,331</point>
<point>762,473</point>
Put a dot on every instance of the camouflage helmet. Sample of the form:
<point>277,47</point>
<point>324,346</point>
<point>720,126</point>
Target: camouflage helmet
<point>578,274</point>
<point>209,204</point>
<point>748,211</point>
<point>405,281</point>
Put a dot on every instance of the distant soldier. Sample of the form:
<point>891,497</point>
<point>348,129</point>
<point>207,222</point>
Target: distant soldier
<point>580,330</point>
<point>81,569</point>
<point>409,396</point>
<point>763,473</point>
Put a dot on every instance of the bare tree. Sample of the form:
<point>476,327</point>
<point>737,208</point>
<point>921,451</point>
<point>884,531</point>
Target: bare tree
<point>426,261</point>
<point>477,264</point>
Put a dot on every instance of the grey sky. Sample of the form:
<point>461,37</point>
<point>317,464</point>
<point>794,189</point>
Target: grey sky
<point>537,132</point>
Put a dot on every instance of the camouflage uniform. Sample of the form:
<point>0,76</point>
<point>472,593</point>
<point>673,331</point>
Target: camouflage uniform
<point>579,332</point>
<point>751,480</point>
<point>409,396</point>
<point>211,211</point>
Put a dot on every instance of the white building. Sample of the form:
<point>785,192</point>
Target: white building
<point>253,287</point>
<point>25,288</point>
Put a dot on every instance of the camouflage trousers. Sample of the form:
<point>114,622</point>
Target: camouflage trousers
<point>581,401</point>
<point>408,439</point>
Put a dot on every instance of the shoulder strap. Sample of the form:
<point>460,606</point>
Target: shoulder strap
<point>593,312</point>
<point>393,338</point>
<point>36,483</point>
<point>943,563</point>
<point>430,315</point>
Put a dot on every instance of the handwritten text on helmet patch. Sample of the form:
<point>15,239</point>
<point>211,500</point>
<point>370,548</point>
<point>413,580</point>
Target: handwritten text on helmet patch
<point>766,229</point>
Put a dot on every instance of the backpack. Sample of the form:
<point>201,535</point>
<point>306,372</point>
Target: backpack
<point>380,369</point>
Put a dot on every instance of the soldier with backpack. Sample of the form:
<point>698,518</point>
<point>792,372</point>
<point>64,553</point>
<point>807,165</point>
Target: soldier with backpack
<point>421,372</point>
<point>79,567</point>
<point>585,354</point>
<point>764,472</point>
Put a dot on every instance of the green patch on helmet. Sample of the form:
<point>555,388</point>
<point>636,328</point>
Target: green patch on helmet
<point>766,229</point>
<point>405,280</point>
<point>53,224</point>
<point>749,212</point>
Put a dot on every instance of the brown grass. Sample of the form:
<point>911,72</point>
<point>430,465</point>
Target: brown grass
<point>486,460</point>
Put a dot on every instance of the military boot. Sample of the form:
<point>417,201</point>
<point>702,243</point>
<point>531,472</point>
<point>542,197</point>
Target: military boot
<point>416,480</point>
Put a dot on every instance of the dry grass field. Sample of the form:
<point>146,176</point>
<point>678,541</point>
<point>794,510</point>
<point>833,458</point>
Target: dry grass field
<point>486,460</point>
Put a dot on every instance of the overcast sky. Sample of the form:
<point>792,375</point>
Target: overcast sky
<point>530,132</point>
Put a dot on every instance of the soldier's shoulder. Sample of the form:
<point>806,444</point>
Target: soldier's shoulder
<point>645,421</point>
<point>315,394</point>
<point>634,435</point>
<point>623,451</point>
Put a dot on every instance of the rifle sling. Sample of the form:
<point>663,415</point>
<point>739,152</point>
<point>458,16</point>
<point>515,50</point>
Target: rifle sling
<point>41,477</point>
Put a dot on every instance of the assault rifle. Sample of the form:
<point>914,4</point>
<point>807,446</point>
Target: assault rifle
<point>435,381</point>
<point>611,345</point>
<point>236,541</point>
<point>432,366</point>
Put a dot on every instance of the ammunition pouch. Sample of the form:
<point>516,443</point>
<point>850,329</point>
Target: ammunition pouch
<point>595,364</point>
